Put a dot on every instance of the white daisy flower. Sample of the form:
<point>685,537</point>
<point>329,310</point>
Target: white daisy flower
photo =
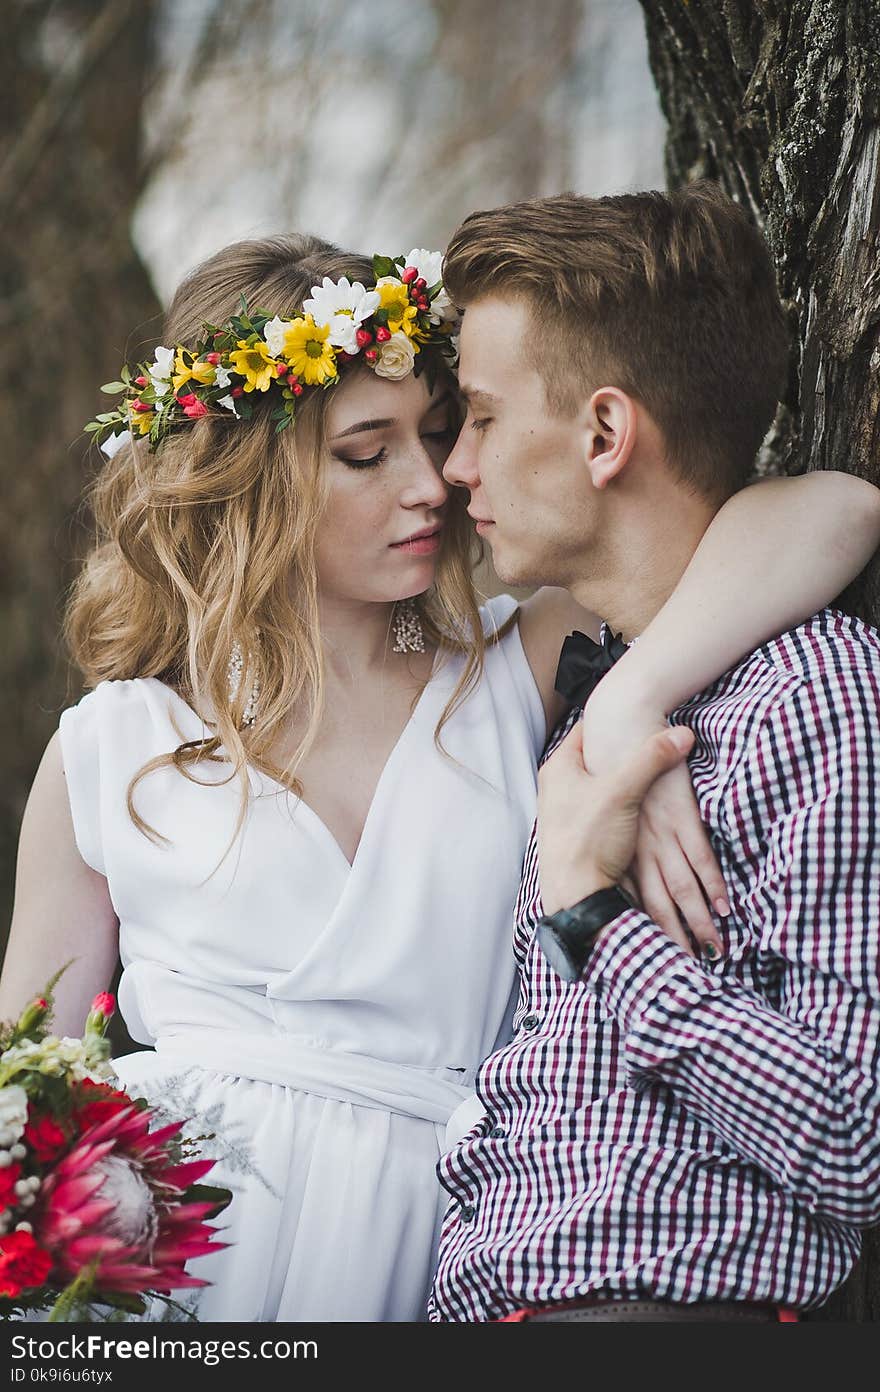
<point>274,333</point>
<point>429,265</point>
<point>343,333</point>
<point>343,306</point>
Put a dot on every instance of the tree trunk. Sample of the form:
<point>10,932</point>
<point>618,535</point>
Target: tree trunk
<point>71,290</point>
<point>778,100</point>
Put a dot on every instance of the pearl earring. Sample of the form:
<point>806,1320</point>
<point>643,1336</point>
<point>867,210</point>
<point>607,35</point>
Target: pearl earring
<point>407,627</point>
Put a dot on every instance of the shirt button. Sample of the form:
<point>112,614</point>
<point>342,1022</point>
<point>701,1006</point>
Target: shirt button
<point>466,1212</point>
<point>530,1022</point>
<point>497,1132</point>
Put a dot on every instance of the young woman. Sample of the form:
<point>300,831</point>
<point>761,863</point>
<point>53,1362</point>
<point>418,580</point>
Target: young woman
<point>296,796</point>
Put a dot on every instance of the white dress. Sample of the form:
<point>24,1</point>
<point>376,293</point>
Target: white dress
<point>322,1020</point>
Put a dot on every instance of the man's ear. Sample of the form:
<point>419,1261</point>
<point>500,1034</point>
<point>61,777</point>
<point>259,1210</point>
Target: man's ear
<point>610,426</point>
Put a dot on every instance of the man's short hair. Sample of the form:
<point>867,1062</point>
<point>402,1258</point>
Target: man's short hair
<point>671,297</point>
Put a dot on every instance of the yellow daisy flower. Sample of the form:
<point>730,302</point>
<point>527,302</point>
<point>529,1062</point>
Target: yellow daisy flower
<point>199,371</point>
<point>308,351</point>
<point>254,362</point>
<point>394,297</point>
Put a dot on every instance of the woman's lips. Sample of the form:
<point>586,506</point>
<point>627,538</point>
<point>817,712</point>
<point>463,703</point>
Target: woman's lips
<point>419,545</point>
<point>483,527</point>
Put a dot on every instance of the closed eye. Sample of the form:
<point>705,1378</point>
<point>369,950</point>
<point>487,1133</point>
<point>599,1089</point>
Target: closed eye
<point>370,463</point>
<point>481,424</point>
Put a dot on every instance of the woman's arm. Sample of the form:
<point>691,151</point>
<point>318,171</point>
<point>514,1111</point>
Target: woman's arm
<point>774,554</point>
<point>62,909</point>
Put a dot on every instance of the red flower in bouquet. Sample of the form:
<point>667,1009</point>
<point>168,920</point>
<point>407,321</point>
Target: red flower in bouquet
<point>114,1203</point>
<point>93,1205</point>
<point>23,1263</point>
<point>95,1102</point>
<point>9,1177</point>
<point>43,1137</point>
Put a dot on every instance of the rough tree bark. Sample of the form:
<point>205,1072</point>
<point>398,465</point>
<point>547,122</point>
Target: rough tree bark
<point>71,291</point>
<point>779,100</point>
<point>71,288</point>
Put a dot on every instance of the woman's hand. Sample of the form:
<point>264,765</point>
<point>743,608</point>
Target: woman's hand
<point>674,873</point>
<point>674,870</point>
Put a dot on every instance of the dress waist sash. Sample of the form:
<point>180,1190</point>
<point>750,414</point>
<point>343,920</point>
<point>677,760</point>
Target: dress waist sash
<point>429,1094</point>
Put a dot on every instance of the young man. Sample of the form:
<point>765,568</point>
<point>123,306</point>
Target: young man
<point>665,1137</point>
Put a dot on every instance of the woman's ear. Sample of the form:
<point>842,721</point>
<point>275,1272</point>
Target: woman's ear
<point>610,426</point>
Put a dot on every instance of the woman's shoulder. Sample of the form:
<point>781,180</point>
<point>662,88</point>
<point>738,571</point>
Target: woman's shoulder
<point>496,613</point>
<point>122,705</point>
<point>506,667</point>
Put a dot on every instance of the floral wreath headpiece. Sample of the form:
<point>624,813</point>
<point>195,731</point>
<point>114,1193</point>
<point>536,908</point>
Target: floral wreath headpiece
<point>397,327</point>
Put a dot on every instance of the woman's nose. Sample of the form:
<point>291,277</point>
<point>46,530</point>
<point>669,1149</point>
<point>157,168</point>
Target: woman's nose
<point>427,487</point>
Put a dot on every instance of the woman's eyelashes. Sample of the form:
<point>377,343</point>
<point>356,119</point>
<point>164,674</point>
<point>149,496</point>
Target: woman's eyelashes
<point>369,463</point>
<point>441,438</point>
<point>481,424</point>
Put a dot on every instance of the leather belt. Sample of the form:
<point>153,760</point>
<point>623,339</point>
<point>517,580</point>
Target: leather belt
<point>656,1311</point>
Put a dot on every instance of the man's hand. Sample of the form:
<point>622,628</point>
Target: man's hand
<point>588,823</point>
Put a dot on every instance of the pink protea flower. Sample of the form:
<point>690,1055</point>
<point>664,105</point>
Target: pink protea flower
<point>115,1200</point>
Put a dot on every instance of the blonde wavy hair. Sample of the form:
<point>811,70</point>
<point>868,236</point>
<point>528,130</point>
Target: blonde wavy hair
<point>211,541</point>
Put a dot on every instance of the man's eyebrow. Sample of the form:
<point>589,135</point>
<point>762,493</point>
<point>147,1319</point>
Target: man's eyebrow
<point>363,425</point>
<point>477,393</point>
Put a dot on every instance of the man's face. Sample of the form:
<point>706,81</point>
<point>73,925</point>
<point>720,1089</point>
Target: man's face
<point>524,467</point>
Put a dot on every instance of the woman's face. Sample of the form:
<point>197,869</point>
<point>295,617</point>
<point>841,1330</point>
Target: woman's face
<point>385,446</point>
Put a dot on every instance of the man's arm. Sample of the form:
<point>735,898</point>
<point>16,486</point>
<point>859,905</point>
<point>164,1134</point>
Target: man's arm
<point>793,1086</point>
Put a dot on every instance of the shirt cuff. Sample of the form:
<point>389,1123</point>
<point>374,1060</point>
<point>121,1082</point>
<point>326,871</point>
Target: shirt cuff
<point>634,964</point>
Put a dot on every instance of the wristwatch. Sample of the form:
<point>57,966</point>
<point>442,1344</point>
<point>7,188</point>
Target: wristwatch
<point>566,937</point>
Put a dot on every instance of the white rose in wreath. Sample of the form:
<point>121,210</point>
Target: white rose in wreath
<point>396,357</point>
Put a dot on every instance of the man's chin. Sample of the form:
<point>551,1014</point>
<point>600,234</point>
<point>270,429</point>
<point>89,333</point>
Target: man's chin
<point>514,570</point>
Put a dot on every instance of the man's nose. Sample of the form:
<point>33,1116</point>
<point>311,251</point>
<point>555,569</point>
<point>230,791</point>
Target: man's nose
<point>461,465</point>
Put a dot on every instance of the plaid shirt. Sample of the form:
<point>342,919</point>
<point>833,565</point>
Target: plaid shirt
<point>667,1129</point>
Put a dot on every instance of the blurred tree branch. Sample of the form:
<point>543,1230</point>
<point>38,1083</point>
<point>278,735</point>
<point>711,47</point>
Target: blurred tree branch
<point>64,89</point>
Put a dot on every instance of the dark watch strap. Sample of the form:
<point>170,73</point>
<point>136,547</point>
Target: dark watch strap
<point>566,937</point>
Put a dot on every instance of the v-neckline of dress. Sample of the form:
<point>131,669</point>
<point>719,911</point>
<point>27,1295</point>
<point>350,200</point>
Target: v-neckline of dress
<point>301,802</point>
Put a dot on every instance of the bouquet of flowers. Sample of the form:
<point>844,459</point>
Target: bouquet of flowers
<point>95,1207</point>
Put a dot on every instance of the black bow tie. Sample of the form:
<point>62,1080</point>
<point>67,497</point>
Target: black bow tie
<point>582,662</point>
